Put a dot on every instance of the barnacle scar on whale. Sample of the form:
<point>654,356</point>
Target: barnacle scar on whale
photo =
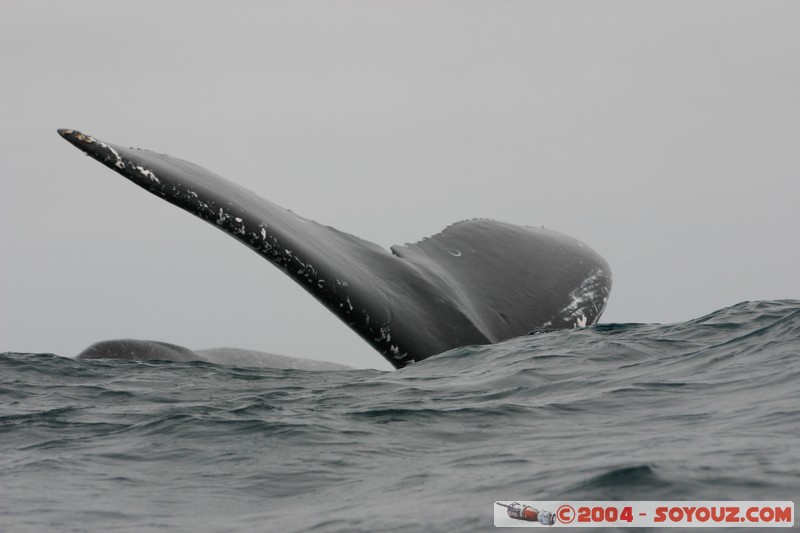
<point>477,282</point>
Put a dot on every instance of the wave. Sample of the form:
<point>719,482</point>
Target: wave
<point>704,409</point>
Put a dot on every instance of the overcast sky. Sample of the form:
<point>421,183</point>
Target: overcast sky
<point>666,135</point>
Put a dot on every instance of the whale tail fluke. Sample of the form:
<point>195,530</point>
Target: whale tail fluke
<point>478,281</point>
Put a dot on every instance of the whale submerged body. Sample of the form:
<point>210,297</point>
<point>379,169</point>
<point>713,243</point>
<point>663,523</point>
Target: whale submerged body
<point>477,282</point>
<point>142,350</point>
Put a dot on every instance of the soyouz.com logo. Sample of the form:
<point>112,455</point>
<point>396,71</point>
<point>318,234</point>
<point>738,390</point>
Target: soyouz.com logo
<point>518,511</point>
<point>643,514</point>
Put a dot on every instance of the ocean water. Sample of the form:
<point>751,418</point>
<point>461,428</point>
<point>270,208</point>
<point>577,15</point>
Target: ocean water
<point>707,409</point>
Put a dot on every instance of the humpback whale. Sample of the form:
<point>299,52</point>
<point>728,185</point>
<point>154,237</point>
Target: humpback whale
<point>479,281</point>
<point>143,350</point>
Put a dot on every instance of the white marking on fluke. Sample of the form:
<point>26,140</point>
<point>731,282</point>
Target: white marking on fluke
<point>147,173</point>
<point>583,293</point>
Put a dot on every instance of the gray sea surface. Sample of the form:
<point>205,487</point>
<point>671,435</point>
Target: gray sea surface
<point>707,409</point>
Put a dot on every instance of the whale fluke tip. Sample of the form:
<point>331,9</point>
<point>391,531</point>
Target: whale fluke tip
<point>74,135</point>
